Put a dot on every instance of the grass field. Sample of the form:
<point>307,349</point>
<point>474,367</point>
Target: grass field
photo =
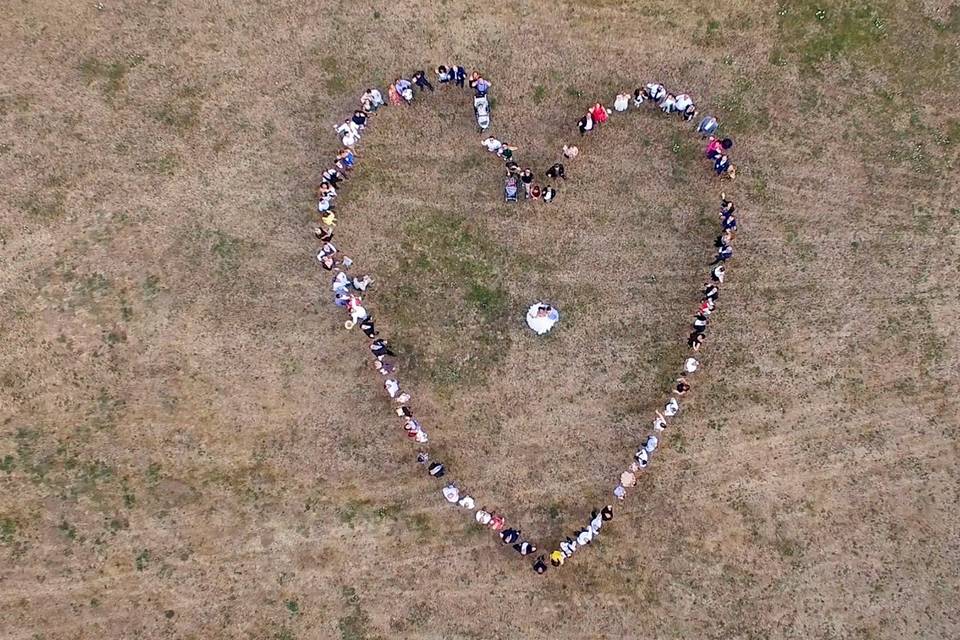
<point>192,447</point>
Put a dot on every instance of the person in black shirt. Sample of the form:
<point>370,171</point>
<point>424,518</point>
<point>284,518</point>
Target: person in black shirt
<point>366,325</point>
<point>524,548</point>
<point>509,536</point>
<point>380,349</point>
<point>526,177</point>
<point>540,566</point>
<point>557,171</point>
<point>420,79</point>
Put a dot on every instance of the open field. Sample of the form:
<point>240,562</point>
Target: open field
<point>192,447</point>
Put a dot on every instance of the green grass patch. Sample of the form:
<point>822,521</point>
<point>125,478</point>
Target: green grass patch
<point>539,94</point>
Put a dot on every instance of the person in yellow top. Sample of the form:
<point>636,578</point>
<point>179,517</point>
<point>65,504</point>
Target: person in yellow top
<point>556,558</point>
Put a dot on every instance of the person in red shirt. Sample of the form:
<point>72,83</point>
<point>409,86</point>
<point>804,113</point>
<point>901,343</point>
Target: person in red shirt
<point>598,113</point>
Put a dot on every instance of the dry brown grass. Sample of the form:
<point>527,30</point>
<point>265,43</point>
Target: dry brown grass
<point>191,446</point>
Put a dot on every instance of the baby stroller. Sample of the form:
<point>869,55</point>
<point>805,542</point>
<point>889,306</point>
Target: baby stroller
<point>482,109</point>
<point>510,189</point>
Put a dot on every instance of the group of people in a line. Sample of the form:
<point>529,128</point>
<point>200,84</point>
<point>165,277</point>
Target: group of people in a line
<point>347,288</point>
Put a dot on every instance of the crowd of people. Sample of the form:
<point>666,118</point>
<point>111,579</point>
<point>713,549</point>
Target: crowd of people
<point>347,288</point>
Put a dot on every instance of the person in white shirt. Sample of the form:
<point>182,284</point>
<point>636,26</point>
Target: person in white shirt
<point>672,408</point>
<point>585,537</point>
<point>341,282</point>
<point>642,459</point>
<point>567,547</point>
<point>691,365</point>
<point>654,91</point>
<point>660,423</point>
<point>492,144</point>
<point>466,502</point>
<point>596,521</point>
<point>451,493</point>
<point>371,99</point>
<point>669,104</point>
<point>619,492</point>
<point>349,127</point>
<point>685,106</point>
<point>717,274</point>
<point>621,102</point>
<point>392,387</point>
<point>483,517</point>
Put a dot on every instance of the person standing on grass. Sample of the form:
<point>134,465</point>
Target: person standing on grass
<point>622,102</point>
<point>570,151</point>
<point>557,171</point>
<point>730,225</point>
<point>380,348</point>
<point>717,147</point>
<point>672,408</point>
<point>685,107</point>
<point>459,75</point>
<point>444,75</point>
<point>556,558</point>
<point>526,177</point>
<point>420,79</point>
<point>599,113</point>
<point>596,522</point>
<point>359,118</point>
<point>669,103</point>
<point>651,443</point>
<point>708,126</point>
<point>524,548</point>
<point>346,159</point>
<point>725,253</point>
<point>654,92</point>
<point>700,322</point>
<point>585,124</point>
<point>491,144</point>
<point>509,536</point>
<point>393,95</point>
<point>695,340</point>
<point>722,166</point>
<point>718,273</point>
<point>540,566</point>
<point>642,458</point>
<point>368,328</point>
<point>451,493</point>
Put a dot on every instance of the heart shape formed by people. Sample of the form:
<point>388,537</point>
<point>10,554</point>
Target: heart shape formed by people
<point>520,184</point>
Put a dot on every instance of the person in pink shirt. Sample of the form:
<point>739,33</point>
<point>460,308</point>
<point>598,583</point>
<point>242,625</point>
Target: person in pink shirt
<point>717,147</point>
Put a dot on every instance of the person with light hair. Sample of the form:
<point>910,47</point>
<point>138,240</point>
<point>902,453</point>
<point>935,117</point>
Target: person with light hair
<point>622,102</point>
